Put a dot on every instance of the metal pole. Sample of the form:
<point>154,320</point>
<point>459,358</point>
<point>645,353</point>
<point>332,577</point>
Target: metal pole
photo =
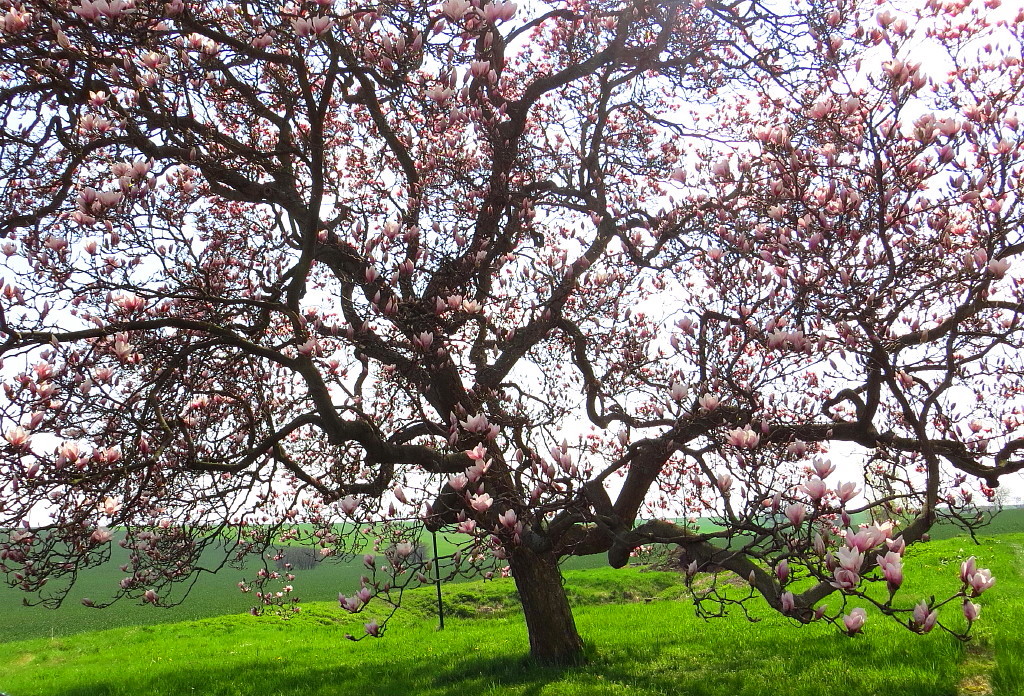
<point>437,581</point>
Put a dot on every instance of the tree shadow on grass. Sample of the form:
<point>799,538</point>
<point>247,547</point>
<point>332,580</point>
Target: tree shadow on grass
<point>517,674</point>
<point>702,667</point>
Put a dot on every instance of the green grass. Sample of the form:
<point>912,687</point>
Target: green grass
<point>213,595</point>
<point>651,645</point>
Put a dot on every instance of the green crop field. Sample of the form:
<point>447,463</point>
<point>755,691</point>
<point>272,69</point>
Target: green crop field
<point>642,634</point>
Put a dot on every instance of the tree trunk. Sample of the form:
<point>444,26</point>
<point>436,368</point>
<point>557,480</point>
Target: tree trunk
<point>553,636</point>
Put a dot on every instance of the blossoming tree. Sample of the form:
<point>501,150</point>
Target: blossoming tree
<point>557,277</point>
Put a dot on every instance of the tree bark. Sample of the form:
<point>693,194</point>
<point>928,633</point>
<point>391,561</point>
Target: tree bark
<point>552,629</point>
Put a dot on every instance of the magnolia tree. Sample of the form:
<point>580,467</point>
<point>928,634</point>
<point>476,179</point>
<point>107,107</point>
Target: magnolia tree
<point>560,278</point>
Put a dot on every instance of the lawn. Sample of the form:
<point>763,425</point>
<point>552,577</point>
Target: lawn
<point>642,637</point>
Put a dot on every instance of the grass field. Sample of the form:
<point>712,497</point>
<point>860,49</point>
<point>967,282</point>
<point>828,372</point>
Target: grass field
<point>212,595</point>
<point>641,638</point>
<point>215,595</point>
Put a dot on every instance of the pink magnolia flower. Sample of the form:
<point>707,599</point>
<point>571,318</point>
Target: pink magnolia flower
<point>56,243</point>
<point>107,455</point>
<point>68,451</point>
<point>263,41</point>
<point>971,610</point>
<point>87,10</point>
<point>478,453</point>
<point>846,491</point>
<point>687,325</point>
<point>678,391</point>
<point>850,558</point>
<point>479,68</point>
<point>102,535</point>
<point>476,471</point>
<point>18,437</point>
<point>372,629</point>
<point>708,402</point>
<point>16,20</point>
<point>854,621</point>
<point>113,9</point>
<point>845,579</point>
<point>981,581</point>
<point>349,504</point>
<point>476,424</point>
<point>454,10</point>
<point>309,348</point>
<point>404,548</point>
<point>820,109</point>
<point>823,467</point>
<point>722,169</point>
<point>123,350</point>
<point>423,340</point>
<point>865,539</point>
<point>321,25</point>
<point>998,267</point>
<point>725,482</point>
<point>967,569</point>
<point>110,506</point>
<point>795,514</point>
<point>948,127</point>
<point>481,502</point>
<point>892,568</point>
<point>20,535</point>
<point>897,545</point>
<point>744,437</point>
<point>924,620</point>
<point>153,60</point>
<point>782,571</point>
<point>797,448</point>
<point>43,391</point>
<point>150,596</point>
<point>495,12</point>
<point>788,602</point>
<point>508,518</point>
<point>130,302</point>
<point>440,94</point>
<point>815,488</point>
